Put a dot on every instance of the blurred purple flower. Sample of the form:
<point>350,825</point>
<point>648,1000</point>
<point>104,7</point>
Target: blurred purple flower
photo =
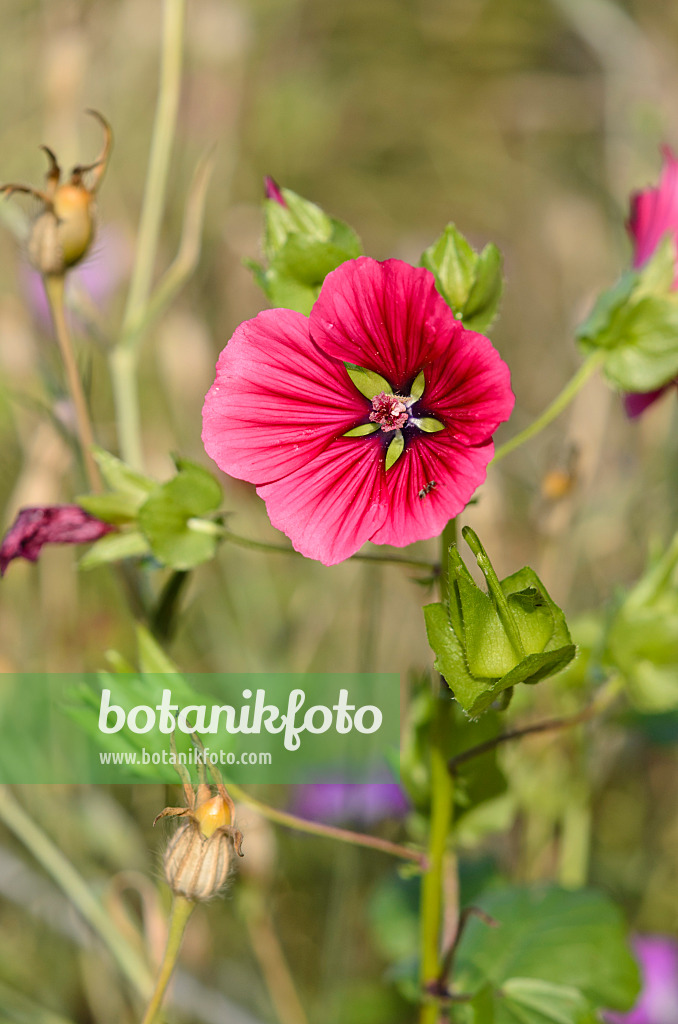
<point>363,803</point>
<point>95,280</point>
<point>273,190</point>
<point>658,1001</point>
<point>49,524</point>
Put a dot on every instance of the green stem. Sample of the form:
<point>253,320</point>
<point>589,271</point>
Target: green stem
<point>315,828</point>
<point>75,888</point>
<point>283,549</point>
<point>442,797</point>
<point>124,358</point>
<point>181,912</point>
<point>558,405</point>
<point>54,287</point>
<point>442,809</point>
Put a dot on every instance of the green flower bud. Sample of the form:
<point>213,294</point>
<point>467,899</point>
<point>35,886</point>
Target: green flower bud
<point>470,282</point>
<point>487,642</point>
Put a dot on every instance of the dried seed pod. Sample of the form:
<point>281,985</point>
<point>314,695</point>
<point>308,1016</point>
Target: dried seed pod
<point>198,856</point>
<point>197,866</point>
<point>64,229</point>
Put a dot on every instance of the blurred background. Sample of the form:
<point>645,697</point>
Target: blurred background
<point>527,123</point>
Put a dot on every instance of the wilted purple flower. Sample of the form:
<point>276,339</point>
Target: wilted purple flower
<point>273,190</point>
<point>50,524</point>
<point>363,803</point>
<point>658,1001</point>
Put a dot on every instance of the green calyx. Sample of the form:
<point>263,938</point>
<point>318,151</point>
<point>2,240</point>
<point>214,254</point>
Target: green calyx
<point>470,282</point>
<point>173,523</point>
<point>635,325</point>
<point>486,642</point>
<point>302,246</point>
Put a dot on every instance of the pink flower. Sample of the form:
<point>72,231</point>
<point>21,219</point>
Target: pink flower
<point>283,402</point>
<point>654,214</point>
<point>51,524</point>
<point>658,1000</point>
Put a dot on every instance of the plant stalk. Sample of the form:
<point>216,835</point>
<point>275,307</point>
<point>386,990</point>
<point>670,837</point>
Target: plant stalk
<point>558,405</point>
<point>179,916</point>
<point>54,287</point>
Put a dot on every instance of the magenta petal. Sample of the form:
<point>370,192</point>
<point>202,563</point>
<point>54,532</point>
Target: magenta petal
<point>638,401</point>
<point>330,507</point>
<point>456,472</point>
<point>277,400</point>
<point>52,524</point>
<point>272,190</point>
<point>654,212</point>
<point>470,390</point>
<point>387,317</point>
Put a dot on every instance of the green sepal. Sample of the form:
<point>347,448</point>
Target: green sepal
<point>368,383</point>
<point>114,547</point>
<point>165,517</point>
<point>487,642</point>
<point>395,449</point>
<point>121,477</point>
<point>418,385</point>
<point>471,283</point>
<point>636,324</point>
<point>363,430</point>
<point>429,424</point>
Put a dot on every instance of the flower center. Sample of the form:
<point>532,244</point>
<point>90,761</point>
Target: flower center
<point>388,411</point>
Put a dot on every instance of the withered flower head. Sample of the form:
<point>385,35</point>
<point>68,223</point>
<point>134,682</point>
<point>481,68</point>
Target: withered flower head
<point>198,857</point>
<point>64,229</point>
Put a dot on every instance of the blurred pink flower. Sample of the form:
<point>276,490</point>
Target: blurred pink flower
<point>654,214</point>
<point>50,524</point>
<point>658,1001</point>
<point>283,402</point>
<point>273,190</point>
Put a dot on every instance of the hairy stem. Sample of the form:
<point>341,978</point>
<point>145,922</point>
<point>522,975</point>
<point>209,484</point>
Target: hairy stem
<point>180,913</point>
<point>316,828</point>
<point>436,882</point>
<point>558,405</point>
<point>607,695</point>
<point>54,287</point>
<point>284,549</point>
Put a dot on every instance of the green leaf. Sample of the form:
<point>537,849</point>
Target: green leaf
<point>116,507</point>
<point>113,548</point>
<point>576,940</point>
<point>453,262</point>
<point>530,1001</point>
<point>121,477</point>
<point>368,383</point>
<point>395,449</point>
<point>647,356</point>
<point>480,309</point>
<point>166,517</point>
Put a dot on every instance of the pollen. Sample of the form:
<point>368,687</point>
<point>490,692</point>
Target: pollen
<point>389,411</point>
